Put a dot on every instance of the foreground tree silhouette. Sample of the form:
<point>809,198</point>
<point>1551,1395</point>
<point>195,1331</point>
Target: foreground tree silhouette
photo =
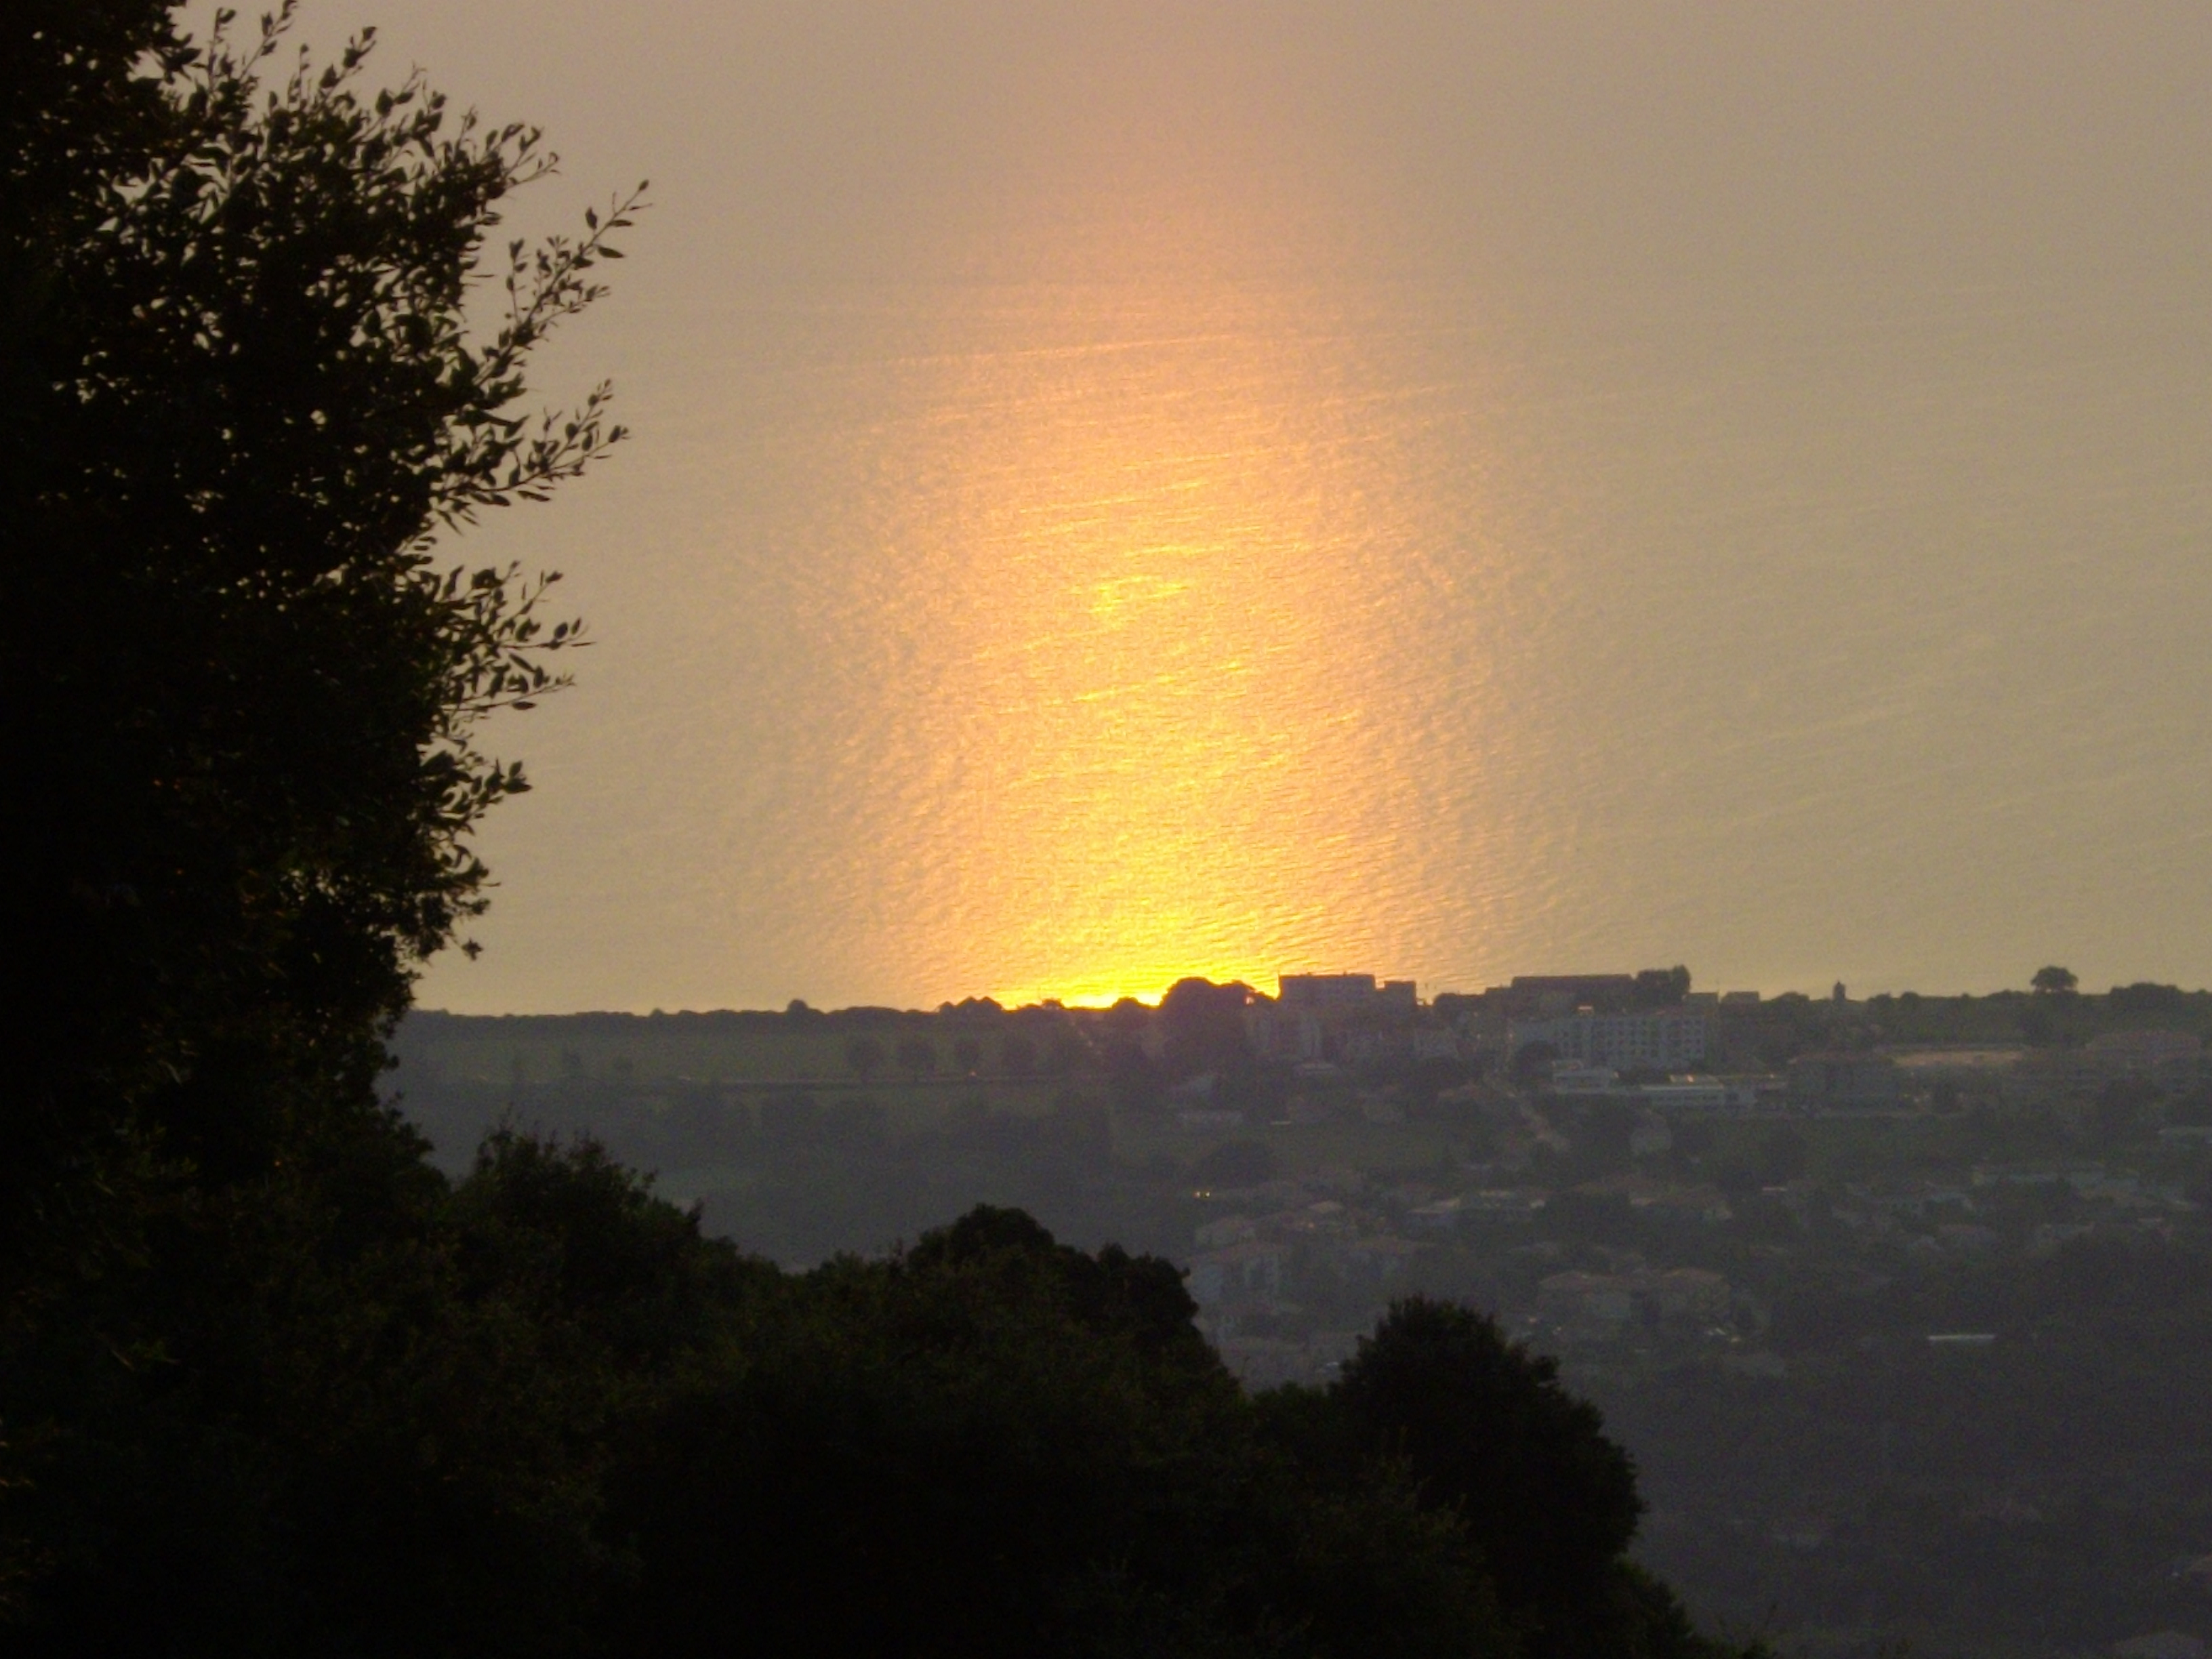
<point>1487,1436</point>
<point>269,1384</point>
<point>917,1057</point>
<point>997,1445</point>
<point>1485,1428</point>
<point>243,402</point>
<point>864,1057</point>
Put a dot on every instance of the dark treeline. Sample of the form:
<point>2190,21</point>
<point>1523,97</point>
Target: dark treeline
<point>2034,1481</point>
<point>270,1381</point>
<point>537,1412</point>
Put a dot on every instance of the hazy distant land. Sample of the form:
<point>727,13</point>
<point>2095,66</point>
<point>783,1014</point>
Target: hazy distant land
<point>1906,1333</point>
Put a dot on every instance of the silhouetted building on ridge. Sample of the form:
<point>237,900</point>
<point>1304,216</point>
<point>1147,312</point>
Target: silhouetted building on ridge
<point>1313,1013</point>
<point>1548,995</point>
<point>1347,993</point>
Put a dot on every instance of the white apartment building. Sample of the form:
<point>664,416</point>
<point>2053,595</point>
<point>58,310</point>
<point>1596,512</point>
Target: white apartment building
<point>1664,1039</point>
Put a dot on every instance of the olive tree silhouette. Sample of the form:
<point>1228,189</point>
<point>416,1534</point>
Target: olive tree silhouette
<point>917,1057</point>
<point>261,358</point>
<point>864,1056</point>
<point>245,405</point>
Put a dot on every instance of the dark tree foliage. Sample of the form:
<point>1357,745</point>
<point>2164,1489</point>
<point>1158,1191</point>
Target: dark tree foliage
<point>865,1056</point>
<point>242,400</point>
<point>1533,1062</point>
<point>376,1418</point>
<point>1133,1078</point>
<point>1660,987</point>
<point>1486,1434</point>
<point>2145,997</point>
<point>271,1385</point>
<point>1203,1024</point>
<point>917,1057</point>
<point>1486,1427</point>
<point>998,1446</point>
<point>1202,1027</point>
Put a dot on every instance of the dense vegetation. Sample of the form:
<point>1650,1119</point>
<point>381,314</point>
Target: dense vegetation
<point>1816,1467</point>
<point>270,1381</point>
<point>538,1413</point>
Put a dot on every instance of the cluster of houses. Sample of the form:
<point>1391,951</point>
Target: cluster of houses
<point>1590,1035</point>
<point>1272,1247</point>
<point>1581,1307</point>
<point>1280,1230</point>
<point>1355,1017</point>
<point>1280,1240</point>
<point>1939,1217</point>
<point>1347,1019</point>
<point>2169,1063</point>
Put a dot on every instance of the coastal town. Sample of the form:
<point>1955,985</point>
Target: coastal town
<point>1825,1261</point>
<point>1616,1162</point>
<point>1600,1096</point>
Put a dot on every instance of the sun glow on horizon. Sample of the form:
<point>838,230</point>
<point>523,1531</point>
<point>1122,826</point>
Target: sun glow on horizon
<point>1152,679</point>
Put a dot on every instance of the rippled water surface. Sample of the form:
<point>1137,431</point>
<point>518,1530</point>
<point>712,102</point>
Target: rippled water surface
<point>1158,577</point>
<point>1172,626</point>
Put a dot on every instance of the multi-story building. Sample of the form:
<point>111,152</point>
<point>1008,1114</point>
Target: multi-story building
<point>1661,1039</point>
<point>1548,996</point>
<point>1345,994</point>
<point>1845,1081</point>
<point>1313,1013</point>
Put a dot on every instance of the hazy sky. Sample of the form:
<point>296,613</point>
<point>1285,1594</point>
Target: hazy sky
<point>1712,482</point>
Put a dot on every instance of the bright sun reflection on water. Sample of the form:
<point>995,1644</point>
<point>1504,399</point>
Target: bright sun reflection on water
<point>1179,658</point>
<point>1166,521</point>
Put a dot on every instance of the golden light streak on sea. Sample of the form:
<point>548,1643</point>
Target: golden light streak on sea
<point>1187,596</point>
